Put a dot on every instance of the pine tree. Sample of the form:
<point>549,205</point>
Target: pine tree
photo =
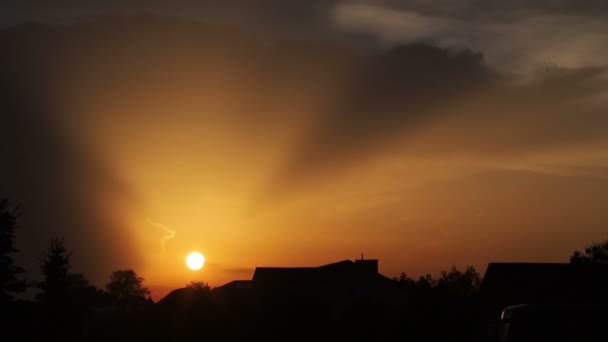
<point>55,268</point>
<point>10,283</point>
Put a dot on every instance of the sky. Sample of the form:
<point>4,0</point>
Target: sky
<point>291,133</point>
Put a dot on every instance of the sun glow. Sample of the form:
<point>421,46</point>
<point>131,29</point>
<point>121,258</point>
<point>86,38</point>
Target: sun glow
<point>195,261</point>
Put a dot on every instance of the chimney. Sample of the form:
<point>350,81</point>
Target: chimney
<point>368,265</point>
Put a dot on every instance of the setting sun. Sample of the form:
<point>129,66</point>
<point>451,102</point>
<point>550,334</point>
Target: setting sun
<point>195,261</point>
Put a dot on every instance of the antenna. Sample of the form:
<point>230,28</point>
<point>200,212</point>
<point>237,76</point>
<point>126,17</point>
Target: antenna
<point>361,256</point>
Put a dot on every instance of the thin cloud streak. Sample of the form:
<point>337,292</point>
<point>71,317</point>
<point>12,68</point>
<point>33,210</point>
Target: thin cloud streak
<point>164,239</point>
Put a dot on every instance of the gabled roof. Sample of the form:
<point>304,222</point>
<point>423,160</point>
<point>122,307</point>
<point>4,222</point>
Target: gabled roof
<point>236,284</point>
<point>296,274</point>
<point>285,278</point>
<point>181,297</point>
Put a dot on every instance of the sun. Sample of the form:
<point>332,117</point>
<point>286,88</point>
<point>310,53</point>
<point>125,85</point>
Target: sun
<point>195,261</point>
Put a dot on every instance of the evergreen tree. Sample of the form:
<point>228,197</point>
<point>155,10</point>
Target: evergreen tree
<point>55,269</point>
<point>10,283</point>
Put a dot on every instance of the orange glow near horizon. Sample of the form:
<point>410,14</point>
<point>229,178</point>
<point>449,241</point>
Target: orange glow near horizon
<point>213,169</point>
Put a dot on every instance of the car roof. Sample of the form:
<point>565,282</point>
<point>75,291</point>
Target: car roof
<point>527,311</point>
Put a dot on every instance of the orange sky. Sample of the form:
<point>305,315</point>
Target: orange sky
<point>304,155</point>
<point>485,179</point>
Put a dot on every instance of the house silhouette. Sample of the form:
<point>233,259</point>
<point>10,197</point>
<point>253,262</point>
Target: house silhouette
<point>348,298</point>
<point>360,275</point>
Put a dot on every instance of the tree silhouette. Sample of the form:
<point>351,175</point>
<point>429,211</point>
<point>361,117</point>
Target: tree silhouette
<point>461,283</point>
<point>426,282</point>
<point>55,268</point>
<point>9,281</point>
<point>126,286</point>
<point>404,280</point>
<point>198,285</point>
<point>596,253</point>
<point>83,294</point>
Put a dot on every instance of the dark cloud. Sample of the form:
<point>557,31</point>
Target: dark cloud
<point>517,36</point>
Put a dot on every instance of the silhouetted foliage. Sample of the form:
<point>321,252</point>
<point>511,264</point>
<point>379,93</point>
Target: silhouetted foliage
<point>9,281</point>
<point>426,282</point>
<point>462,283</point>
<point>84,294</point>
<point>448,302</point>
<point>55,268</point>
<point>404,280</point>
<point>453,281</point>
<point>595,253</point>
<point>60,287</point>
<point>126,286</point>
<point>198,285</point>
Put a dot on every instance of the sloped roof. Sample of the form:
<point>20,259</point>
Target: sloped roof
<point>236,284</point>
<point>185,296</point>
<point>296,274</point>
<point>297,277</point>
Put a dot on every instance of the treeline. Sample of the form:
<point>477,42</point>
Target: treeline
<point>441,309</point>
<point>64,299</point>
<point>453,281</point>
<point>68,307</point>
